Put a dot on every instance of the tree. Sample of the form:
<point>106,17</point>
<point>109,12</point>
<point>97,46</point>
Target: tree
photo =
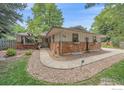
<point>45,17</point>
<point>18,29</point>
<point>110,22</point>
<point>9,16</point>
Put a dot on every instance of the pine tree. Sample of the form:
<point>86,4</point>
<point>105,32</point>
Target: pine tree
<point>9,16</point>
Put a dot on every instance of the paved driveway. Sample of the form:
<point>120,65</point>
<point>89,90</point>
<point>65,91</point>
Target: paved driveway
<point>47,60</point>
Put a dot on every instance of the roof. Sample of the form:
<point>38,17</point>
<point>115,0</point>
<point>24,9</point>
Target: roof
<point>52,32</point>
<point>79,27</point>
<point>102,36</point>
<point>24,34</point>
<point>44,33</point>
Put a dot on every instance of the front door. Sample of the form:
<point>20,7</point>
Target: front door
<point>44,43</point>
<point>87,44</point>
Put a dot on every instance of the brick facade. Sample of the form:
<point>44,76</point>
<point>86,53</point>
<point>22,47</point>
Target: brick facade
<point>69,47</point>
<point>22,46</point>
<point>55,48</point>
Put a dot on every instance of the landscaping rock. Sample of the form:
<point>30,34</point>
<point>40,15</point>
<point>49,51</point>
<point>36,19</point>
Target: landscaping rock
<point>42,72</point>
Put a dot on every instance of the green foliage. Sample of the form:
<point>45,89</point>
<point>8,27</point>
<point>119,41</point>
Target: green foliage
<point>9,16</point>
<point>110,22</point>
<point>15,73</point>
<point>11,52</point>
<point>116,41</point>
<point>45,17</point>
<point>107,39</point>
<point>18,29</point>
<point>29,52</point>
<point>115,73</point>
<point>107,46</point>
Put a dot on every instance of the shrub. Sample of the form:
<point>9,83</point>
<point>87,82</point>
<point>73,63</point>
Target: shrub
<point>116,41</point>
<point>28,52</point>
<point>11,52</point>
<point>107,46</point>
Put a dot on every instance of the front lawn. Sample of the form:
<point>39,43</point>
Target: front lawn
<point>116,73</point>
<point>15,73</point>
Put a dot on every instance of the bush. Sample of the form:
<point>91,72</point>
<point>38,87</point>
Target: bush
<point>11,52</point>
<point>28,52</point>
<point>107,46</point>
<point>116,41</point>
<point>107,39</point>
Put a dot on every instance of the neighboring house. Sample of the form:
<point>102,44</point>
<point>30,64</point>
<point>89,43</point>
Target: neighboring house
<point>68,40</point>
<point>25,41</point>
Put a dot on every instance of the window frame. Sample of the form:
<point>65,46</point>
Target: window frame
<point>75,37</point>
<point>94,39</point>
<point>27,43</point>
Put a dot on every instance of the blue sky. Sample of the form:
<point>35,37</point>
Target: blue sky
<point>74,14</point>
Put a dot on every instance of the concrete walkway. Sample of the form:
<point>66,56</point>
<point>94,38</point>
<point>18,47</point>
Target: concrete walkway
<point>42,72</point>
<point>49,62</point>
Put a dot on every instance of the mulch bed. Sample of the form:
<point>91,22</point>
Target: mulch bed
<point>4,57</point>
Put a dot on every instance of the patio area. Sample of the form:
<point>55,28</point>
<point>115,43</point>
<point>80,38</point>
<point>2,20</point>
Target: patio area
<point>57,75</point>
<point>75,60</point>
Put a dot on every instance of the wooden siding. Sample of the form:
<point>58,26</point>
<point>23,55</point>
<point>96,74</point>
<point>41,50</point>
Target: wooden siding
<point>4,44</point>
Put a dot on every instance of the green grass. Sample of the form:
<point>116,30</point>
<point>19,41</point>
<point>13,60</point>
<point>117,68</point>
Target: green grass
<point>116,73</point>
<point>15,73</point>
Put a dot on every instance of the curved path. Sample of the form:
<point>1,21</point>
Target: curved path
<point>47,60</point>
<point>42,72</point>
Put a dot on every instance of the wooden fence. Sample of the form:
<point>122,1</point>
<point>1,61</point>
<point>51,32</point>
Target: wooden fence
<point>4,44</point>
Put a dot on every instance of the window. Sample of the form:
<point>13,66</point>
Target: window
<point>94,39</point>
<point>22,40</point>
<point>75,37</point>
<point>29,40</point>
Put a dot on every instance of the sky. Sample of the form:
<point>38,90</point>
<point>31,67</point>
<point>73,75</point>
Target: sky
<point>73,14</point>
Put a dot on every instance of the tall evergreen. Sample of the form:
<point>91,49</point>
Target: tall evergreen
<point>9,16</point>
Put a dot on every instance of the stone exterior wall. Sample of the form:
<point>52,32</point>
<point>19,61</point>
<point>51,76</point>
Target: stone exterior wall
<point>70,47</point>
